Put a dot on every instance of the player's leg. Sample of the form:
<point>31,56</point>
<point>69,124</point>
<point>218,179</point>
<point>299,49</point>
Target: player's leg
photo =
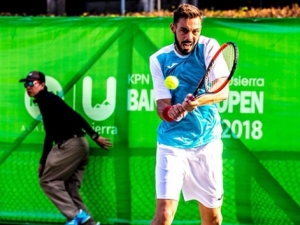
<point>210,216</point>
<point>204,183</point>
<point>165,211</point>
<point>169,172</point>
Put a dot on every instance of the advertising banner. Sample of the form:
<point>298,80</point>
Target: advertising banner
<point>100,67</point>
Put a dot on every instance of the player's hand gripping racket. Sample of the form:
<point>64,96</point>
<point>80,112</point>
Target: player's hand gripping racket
<point>223,64</point>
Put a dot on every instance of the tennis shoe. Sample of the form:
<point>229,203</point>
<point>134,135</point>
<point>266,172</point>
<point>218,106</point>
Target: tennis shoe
<point>81,217</point>
<point>91,221</point>
<point>71,222</point>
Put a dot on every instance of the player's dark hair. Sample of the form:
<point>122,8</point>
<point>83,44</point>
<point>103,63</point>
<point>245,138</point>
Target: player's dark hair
<point>186,11</point>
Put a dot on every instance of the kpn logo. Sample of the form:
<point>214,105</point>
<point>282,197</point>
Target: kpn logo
<point>97,111</point>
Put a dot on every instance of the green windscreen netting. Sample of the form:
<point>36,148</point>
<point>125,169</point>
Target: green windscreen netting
<point>100,67</point>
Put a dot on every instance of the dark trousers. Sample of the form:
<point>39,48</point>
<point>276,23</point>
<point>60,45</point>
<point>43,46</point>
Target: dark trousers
<point>63,175</point>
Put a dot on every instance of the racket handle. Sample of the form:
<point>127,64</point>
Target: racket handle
<point>192,98</point>
<point>179,118</point>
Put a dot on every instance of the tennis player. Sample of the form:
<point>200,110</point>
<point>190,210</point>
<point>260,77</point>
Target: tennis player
<point>66,150</point>
<point>189,151</point>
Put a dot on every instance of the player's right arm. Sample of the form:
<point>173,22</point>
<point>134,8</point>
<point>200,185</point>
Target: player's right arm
<point>161,105</point>
<point>165,110</point>
<point>168,112</point>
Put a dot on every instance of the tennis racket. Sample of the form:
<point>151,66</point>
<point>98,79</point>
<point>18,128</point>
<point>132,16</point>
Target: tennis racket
<point>223,63</point>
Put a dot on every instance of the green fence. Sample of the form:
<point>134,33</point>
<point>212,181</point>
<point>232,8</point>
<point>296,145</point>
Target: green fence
<point>100,67</point>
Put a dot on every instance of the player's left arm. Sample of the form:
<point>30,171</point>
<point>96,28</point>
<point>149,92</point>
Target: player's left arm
<point>217,97</point>
<point>210,48</point>
<point>207,99</point>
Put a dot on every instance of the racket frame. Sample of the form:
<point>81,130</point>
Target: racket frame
<point>210,65</point>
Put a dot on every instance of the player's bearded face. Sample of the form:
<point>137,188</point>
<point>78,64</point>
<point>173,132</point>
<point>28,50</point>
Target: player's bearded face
<point>186,34</point>
<point>184,47</point>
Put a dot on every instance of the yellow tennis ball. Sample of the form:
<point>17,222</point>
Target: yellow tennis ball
<point>171,82</point>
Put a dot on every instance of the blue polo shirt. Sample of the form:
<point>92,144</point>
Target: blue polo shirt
<point>202,125</point>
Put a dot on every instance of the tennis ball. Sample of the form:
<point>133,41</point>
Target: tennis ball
<point>171,82</point>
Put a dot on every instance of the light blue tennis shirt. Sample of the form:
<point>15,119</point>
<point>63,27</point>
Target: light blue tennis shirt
<point>202,125</point>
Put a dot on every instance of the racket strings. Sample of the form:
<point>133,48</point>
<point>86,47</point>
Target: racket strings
<point>222,66</point>
<point>229,57</point>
